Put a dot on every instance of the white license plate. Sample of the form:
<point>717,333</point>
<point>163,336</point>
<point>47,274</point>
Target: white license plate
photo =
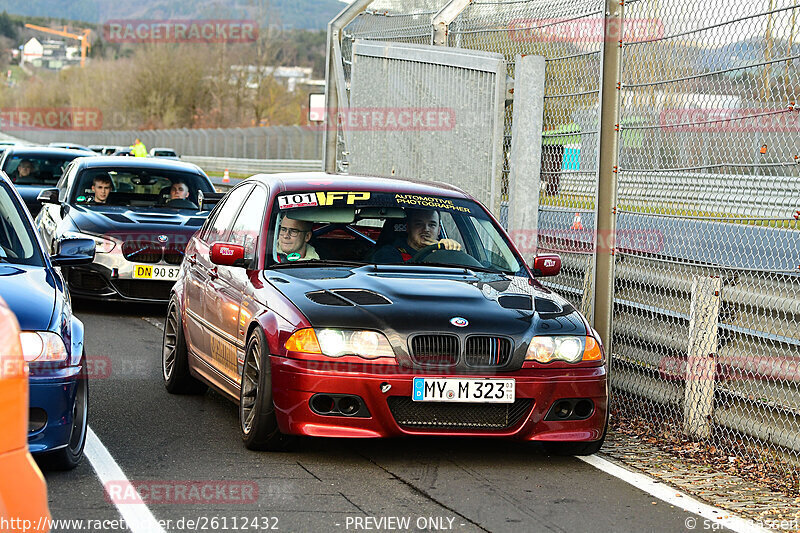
<point>463,390</point>
<point>156,272</point>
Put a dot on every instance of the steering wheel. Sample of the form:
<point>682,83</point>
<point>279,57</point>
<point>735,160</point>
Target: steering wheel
<point>423,253</point>
<point>458,258</point>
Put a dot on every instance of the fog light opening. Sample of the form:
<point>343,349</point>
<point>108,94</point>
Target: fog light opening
<point>563,409</point>
<point>322,404</point>
<point>348,405</point>
<point>584,408</point>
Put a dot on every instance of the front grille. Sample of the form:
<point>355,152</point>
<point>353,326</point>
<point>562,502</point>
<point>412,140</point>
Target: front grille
<point>149,290</point>
<point>435,415</point>
<point>85,280</point>
<point>436,350</point>
<point>142,251</point>
<point>173,253</point>
<point>487,351</point>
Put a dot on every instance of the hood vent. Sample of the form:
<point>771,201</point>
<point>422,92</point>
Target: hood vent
<point>347,297</point>
<point>158,218</point>
<point>116,217</point>
<point>327,298</point>
<point>522,302</point>
<point>362,297</point>
<point>543,305</point>
<point>195,221</point>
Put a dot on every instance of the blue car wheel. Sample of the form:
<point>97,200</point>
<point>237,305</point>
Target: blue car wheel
<point>70,456</point>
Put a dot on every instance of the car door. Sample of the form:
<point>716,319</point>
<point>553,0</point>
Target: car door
<point>206,309</point>
<point>231,283</point>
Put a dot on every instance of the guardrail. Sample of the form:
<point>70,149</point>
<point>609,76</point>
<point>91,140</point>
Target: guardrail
<point>734,194</point>
<point>253,166</point>
<point>753,378</point>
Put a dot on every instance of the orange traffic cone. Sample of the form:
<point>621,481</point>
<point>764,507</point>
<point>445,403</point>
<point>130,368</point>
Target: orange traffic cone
<point>226,178</point>
<point>576,222</point>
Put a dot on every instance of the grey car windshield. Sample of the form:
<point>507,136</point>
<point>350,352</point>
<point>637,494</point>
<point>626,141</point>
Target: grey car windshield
<point>139,188</point>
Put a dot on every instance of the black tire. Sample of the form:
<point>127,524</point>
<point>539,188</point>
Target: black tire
<point>576,448</point>
<point>71,455</point>
<point>257,419</point>
<point>175,356</point>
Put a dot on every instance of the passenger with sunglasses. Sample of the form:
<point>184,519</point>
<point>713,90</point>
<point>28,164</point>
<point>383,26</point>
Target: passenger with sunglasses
<point>293,237</point>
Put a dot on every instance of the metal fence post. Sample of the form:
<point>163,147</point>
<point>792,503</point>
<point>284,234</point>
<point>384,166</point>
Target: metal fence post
<point>605,205</point>
<point>335,93</point>
<point>701,366</point>
<point>526,152</point>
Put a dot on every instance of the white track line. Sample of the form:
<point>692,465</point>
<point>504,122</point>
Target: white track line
<point>137,516</point>
<point>664,492</point>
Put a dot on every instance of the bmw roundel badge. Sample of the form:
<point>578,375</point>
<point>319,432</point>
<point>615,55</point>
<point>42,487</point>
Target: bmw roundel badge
<point>163,238</point>
<point>459,322</point>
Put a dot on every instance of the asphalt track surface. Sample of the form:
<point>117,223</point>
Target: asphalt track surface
<point>334,485</point>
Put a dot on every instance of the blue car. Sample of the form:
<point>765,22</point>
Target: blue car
<point>51,338</point>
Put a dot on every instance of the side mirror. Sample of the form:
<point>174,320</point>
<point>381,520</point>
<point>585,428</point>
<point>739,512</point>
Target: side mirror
<point>48,196</point>
<point>227,254</point>
<point>546,265</point>
<point>74,252</point>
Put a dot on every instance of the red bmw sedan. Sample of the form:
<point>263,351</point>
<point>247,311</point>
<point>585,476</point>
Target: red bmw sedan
<point>348,306</point>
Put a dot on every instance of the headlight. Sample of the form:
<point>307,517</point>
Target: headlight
<point>563,348</point>
<point>103,245</point>
<point>42,346</point>
<point>340,342</point>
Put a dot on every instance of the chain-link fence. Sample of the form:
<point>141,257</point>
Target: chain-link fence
<point>706,133</point>
<point>273,142</point>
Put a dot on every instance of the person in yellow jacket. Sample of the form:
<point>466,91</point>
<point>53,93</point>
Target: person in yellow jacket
<point>138,149</point>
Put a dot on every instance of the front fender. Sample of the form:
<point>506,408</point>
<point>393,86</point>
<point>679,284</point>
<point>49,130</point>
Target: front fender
<point>64,322</point>
<point>269,322</point>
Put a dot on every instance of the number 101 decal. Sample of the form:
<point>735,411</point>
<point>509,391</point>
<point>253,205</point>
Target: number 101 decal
<point>308,199</point>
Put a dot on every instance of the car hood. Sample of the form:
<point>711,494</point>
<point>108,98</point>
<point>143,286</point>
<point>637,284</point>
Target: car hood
<point>405,300</point>
<point>30,293</point>
<point>124,220</point>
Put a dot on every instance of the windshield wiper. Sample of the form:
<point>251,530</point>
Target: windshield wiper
<point>319,262</point>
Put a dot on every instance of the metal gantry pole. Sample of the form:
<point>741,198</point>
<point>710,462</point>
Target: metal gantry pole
<point>335,91</point>
<point>605,205</point>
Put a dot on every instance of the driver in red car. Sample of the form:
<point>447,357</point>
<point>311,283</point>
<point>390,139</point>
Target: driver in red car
<point>422,229</point>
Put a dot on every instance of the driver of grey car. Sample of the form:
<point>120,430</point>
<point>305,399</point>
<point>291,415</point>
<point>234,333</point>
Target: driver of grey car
<point>422,229</point>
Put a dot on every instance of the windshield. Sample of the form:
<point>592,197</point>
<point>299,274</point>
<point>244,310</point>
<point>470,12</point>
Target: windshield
<point>17,243</point>
<point>388,228</point>
<point>139,188</point>
<point>36,169</point>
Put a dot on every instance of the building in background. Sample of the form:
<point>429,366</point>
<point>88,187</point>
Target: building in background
<point>50,54</point>
<point>289,77</point>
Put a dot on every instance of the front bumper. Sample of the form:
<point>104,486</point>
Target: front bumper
<point>294,382</point>
<point>52,400</point>
<point>110,278</point>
